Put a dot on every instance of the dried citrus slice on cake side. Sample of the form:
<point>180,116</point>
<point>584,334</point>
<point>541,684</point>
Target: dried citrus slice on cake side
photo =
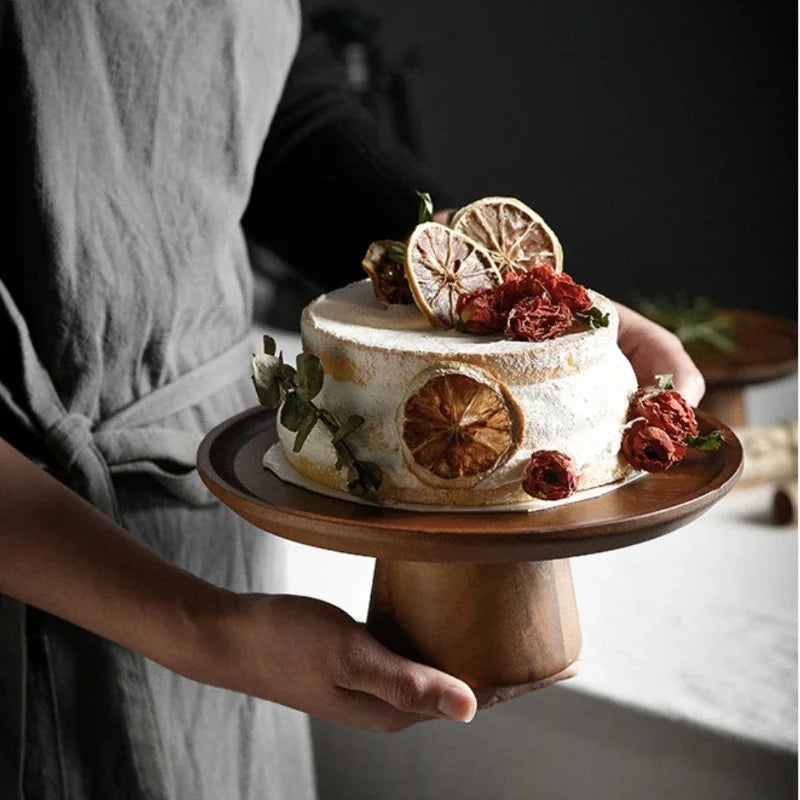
<point>440,265</point>
<point>515,235</point>
<point>457,425</point>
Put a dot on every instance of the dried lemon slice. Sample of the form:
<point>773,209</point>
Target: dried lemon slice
<point>515,235</point>
<point>457,425</point>
<point>440,265</point>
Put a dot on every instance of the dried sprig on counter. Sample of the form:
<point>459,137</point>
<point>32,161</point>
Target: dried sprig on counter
<point>696,324</point>
<point>293,390</point>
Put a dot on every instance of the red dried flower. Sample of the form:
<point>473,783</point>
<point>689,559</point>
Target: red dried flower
<point>649,448</point>
<point>479,312</point>
<point>665,409</point>
<point>527,284</point>
<point>564,290</point>
<point>534,319</point>
<point>550,475</point>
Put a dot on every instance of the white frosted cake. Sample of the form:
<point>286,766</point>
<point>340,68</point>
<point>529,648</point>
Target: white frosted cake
<point>452,418</point>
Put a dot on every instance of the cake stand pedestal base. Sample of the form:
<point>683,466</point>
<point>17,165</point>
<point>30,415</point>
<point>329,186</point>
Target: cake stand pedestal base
<point>489,624</point>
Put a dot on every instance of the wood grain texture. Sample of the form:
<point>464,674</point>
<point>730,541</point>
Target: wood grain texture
<point>230,463</point>
<point>491,625</point>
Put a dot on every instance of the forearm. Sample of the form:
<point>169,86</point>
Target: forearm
<point>60,554</point>
<point>330,180</point>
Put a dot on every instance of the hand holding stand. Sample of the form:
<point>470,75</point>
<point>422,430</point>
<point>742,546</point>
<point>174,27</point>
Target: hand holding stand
<point>488,596</point>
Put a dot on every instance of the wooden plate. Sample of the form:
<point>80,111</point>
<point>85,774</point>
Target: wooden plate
<point>766,348</point>
<point>230,464</point>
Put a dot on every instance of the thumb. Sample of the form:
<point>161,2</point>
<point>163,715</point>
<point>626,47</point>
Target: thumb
<point>405,684</point>
<point>652,349</point>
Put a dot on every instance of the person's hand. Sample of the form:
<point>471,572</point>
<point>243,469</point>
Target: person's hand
<point>653,350</point>
<point>312,656</point>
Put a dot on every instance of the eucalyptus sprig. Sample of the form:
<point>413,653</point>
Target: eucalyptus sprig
<point>293,389</point>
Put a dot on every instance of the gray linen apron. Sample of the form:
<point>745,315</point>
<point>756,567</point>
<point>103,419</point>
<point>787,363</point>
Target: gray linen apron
<point>131,133</point>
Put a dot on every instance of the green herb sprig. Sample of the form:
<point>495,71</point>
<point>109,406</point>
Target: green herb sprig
<point>697,324</point>
<point>425,212</point>
<point>594,316</point>
<point>279,383</point>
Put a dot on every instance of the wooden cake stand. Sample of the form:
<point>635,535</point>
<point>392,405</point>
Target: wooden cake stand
<point>765,349</point>
<point>487,597</point>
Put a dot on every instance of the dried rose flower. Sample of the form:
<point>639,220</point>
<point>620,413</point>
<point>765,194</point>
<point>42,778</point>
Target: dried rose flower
<point>665,409</point>
<point>518,287</point>
<point>479,312</point>
<point>550,475</point>
<point>564,290</point>
<point>649,448</point>
<point>535,319</point>
<point>544,279</point>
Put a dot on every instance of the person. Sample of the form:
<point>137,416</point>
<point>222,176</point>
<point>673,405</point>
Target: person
<point>146,650</point>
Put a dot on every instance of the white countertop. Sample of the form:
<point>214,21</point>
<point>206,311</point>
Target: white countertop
<point>699,625</point>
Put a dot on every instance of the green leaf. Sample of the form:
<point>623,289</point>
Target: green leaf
<point>270,345</point>
<point>369,474</point>
<point>357,489</point>
<point>268,396</point>
<point>351,424</point>
<point>711,441</point>
<point>307,424</point>
<point>310,375</point>
<point>329,419</point>
<point>344,458</point>
<point>265,379</point>
<point>425,213</point>
<point>594,316</point>
<point>295,410</point>
<point>287,373</point>
<point>665,381</point>
<point>397,253</point>
<point>698,323</point>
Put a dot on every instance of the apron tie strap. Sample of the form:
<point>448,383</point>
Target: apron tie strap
<point>71,443</point>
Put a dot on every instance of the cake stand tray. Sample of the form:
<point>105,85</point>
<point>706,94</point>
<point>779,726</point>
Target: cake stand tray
<point>487,596</point>
<point>765,349</point>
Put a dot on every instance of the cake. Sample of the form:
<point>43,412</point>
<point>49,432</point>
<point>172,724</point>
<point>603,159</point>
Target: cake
<point>568,394</point>
<point>469,370</point>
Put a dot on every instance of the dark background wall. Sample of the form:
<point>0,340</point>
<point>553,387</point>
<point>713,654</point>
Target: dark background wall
<point>657,139</point>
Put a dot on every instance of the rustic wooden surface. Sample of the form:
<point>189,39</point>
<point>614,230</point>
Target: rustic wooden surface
<point>230,463</point>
